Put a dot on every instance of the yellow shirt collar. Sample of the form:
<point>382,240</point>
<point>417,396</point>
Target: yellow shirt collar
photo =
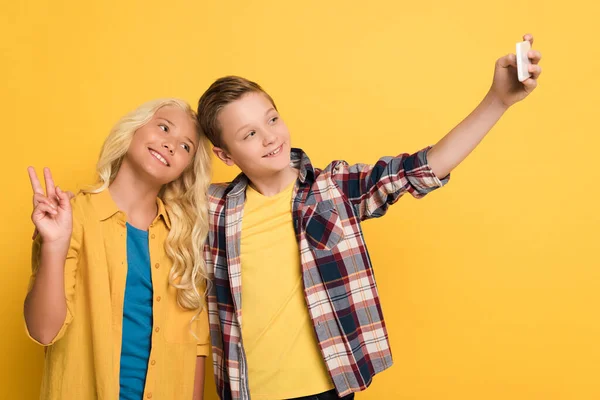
<point>106,207</point>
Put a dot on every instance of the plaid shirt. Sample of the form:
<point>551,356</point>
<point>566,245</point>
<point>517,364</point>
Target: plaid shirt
<point>339,286</point>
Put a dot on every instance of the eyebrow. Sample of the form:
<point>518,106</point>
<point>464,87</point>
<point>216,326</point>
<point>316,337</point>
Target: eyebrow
<point>169,122</point>
<point>245,126</point>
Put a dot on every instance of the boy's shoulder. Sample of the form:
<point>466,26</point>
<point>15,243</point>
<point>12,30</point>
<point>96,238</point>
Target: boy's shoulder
<point>216,191</point>
<point>302,162</point>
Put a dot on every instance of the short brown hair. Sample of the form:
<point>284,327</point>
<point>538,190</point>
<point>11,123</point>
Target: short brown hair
<point>223,91</point>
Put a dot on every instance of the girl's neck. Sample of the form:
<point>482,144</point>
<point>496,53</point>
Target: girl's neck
<point>135,197</point>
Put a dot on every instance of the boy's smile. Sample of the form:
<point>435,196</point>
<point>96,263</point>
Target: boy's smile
<point>274,153</point>
<point>255,137</point>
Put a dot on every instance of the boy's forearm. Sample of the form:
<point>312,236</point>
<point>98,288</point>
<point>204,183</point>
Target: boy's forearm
<point>453,148</point>
<point>45,306</point>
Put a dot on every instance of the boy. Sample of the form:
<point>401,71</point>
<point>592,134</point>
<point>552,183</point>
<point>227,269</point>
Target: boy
<point>285,241</point>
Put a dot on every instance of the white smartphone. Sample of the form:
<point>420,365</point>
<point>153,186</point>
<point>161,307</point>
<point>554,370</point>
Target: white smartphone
<point>522,60</point>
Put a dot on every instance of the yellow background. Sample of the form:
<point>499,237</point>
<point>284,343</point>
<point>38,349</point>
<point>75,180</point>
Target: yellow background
<point>490,287</point>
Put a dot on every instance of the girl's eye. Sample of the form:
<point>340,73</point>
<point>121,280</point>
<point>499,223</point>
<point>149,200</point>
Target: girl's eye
<point>252,133</point>
<point>186,147</point>
<point>273,120</point>
<point>164,128</point>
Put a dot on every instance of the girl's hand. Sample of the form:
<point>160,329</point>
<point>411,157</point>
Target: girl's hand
<point>506,86</point>
<point>52,214</point>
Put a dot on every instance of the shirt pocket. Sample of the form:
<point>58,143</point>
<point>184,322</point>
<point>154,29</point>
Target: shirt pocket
<point>324,228</point>
<point>180,329</point>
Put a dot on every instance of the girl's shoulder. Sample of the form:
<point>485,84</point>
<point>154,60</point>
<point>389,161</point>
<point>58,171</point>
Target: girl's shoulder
<point>88,206</point>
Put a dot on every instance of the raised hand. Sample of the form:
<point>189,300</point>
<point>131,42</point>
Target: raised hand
<point>52,215</point>
<point>506,86</point>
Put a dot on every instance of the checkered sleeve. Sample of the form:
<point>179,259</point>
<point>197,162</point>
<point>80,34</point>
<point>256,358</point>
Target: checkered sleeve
<point>371,189</point>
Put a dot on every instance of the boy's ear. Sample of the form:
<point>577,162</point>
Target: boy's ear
<point>223,156</point>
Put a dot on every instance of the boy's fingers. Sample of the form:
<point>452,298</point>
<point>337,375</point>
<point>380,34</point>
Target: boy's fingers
<point>535,70</point>
<point>528,37</point>
<point>530,84</point>
<point>535,56</point>
<point>509,60</point>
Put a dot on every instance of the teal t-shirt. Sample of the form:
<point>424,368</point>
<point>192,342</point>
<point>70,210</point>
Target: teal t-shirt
<point>137,317</point>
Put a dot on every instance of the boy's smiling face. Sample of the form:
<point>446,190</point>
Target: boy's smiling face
<point>255,137</point>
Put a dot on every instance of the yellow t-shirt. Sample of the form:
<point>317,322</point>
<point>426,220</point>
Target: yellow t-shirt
<point>284,360</point>
<point>82,361</point>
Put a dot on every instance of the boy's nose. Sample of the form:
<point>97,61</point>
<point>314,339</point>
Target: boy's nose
<point>268,138</point>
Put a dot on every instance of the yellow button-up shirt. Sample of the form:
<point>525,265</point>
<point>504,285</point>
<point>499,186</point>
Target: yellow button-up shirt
<point>83,360</point>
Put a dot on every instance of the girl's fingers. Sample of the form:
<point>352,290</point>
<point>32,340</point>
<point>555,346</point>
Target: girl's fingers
<point>41,210</point>
<point>35,182</point>
<point>39,198</point>
<point>63,198</point>
<point>50,189</point>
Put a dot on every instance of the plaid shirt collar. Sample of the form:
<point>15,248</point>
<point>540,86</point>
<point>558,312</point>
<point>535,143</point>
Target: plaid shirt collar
<point>299,160</point>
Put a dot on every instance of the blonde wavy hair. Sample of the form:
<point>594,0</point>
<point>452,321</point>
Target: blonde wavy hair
<point>185,199</point>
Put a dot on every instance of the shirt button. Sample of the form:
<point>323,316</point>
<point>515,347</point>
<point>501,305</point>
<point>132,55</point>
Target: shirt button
<point>239,345</point>
<point>156,329</point>
<point>149,395</point>
<point>153,362</point>
<point>156,265</point>
<point>158,298</point>
<point>152,236</point>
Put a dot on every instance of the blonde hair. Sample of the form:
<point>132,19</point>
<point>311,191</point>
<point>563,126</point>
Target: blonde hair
<point>185,199</point>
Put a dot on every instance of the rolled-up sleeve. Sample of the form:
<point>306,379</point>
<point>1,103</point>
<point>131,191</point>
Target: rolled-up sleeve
<point>371,189</point>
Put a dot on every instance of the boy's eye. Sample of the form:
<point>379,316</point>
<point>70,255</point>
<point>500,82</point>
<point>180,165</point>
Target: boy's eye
<point>186,147</point>
<point>273,120</point>
<point>252,133</point>
<point>164,127</point>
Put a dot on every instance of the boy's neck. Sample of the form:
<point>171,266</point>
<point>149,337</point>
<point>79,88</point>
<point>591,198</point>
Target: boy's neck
<point>274,184</point>
<point>135,197</point>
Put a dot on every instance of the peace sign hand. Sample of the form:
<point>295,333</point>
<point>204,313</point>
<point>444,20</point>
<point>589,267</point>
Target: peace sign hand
<point>52,215</point>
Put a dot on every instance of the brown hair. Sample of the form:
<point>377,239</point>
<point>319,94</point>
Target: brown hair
<point>223,91</point>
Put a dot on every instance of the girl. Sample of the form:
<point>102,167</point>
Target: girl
<point>118,274</point>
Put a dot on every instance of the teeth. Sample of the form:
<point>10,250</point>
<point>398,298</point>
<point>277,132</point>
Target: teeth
<point>274,152</point>
<point>159,157</point>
